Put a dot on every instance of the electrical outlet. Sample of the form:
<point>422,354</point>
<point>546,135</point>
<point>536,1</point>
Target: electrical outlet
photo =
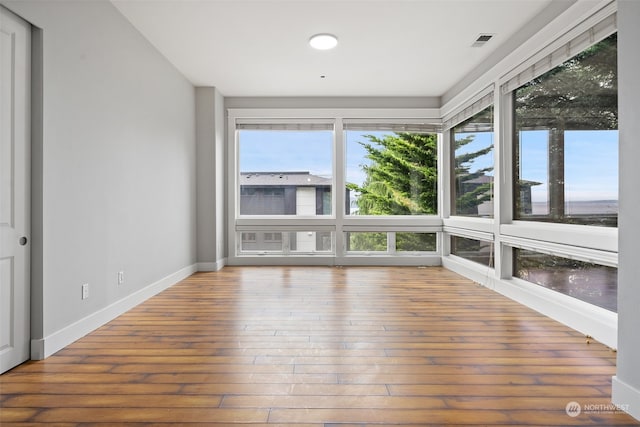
<point>85,291</point>
<point>120,277</point>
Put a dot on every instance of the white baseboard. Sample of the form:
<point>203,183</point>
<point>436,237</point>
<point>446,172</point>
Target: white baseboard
<point>212,266</point>
<point>626,398</point>
<point>596,322</point>
<point>45,347</point>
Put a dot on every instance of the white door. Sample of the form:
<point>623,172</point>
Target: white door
<point>15,82</point>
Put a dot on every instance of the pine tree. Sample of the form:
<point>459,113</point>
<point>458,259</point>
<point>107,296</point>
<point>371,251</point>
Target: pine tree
<point>580,94</point>
<point>468,196</point>
<point>402,178</point>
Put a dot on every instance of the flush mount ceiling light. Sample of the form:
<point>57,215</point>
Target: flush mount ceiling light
<point>323,41</point>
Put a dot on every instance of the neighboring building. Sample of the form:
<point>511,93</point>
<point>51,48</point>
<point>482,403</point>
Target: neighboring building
<point>485,209</point>
<point>285,193</point>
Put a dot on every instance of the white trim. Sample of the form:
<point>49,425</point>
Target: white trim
<point>428,125</point>
<point>609,259</point>
<point>469,234</point>
<point>427,259</point>
<point>475,105</point>
<point>284,225</point>
<point>598,238</point>
<point>478,273</point>
<point>337,221</point>
<point>586,318</point>
<point>484,225</point>
<point>626,397</point>
<point>45,347</point>
<point>374,114</point>
<point>592,30</point>
<point>212,266</point>
<point>597,322</point>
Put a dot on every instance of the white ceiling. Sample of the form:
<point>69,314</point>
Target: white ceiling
<point>386,47</point>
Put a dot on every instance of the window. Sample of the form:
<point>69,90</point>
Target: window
<point>285,172</point>
<point>289,242</point>
<point>474,250</point>
<point>592,283</point>
<point>566,141</point>
<point>415,242</point>
<point>273,237</point>
<point>390,173</point>
<point>366,242</point>
<point>248,237</point>
<point>261,242</point>
<point>390,242</point>
<point>472,193</point>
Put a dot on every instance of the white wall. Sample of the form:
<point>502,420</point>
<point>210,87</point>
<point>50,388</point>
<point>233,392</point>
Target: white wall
<point>305,205</point>
<point>306,201</point>
<point>626,383</point>
<point>115,162</point>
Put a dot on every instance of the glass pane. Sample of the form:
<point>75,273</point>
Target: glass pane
<point>566,141</point>
<point>474,250</point>
<point>391,173</point>
<point>261,241</point>
<point>310,241</point>
<point>415,242</point>
<point>287,242</point>
<point>285,172</point>
<point>473,166</point>
<point>366,242</point>
<point>592,283</point>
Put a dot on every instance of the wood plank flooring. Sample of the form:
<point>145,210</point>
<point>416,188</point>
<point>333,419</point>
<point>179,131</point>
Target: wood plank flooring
<point>320,346</point>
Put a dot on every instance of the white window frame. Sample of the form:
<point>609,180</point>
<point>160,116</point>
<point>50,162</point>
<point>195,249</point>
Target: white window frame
<point>593,244</point>
<point>338,222</point>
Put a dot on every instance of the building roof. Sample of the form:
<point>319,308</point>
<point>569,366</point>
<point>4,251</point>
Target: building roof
<point>482,179</point>
<point>488,179</point>
<point>283,178</point>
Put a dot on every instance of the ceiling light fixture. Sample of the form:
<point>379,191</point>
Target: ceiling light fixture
<point>323,41</point>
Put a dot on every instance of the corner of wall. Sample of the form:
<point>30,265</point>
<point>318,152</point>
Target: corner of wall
<point>45,347</point>
<point>625,397</point>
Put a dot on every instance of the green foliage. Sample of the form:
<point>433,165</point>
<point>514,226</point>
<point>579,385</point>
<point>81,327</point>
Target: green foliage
<point>368,242</point>
<point>467,200</point>
<point>402,177</point>
<point>405,242</point>
<point>415,242</point>
<point>581,93</point>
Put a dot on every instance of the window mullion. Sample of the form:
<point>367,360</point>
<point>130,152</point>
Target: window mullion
<point>339,194</point>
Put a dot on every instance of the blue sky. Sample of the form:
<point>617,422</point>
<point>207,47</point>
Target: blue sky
<point>276,151</point>
<point>591,158</point>
<point>480,141</point>
<point>286,151</point>
<point>591,164</point>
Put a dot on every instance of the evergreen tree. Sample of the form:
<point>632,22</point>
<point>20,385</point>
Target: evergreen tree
<point>467,200</point>
<point>580,94</point>
<point>402,178</point>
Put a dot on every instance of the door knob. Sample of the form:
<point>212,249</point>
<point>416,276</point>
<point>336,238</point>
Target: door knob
<point>23,241</point>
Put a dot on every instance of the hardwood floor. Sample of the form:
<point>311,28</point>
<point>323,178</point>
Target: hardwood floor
<point>320,346</point>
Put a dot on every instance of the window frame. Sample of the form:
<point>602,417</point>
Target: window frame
<point>338,222</point>
<point>595,244</point>
<point>482,105</point>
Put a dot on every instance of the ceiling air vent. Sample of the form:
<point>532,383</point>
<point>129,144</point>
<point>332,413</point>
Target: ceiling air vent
<point>482,40</point>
